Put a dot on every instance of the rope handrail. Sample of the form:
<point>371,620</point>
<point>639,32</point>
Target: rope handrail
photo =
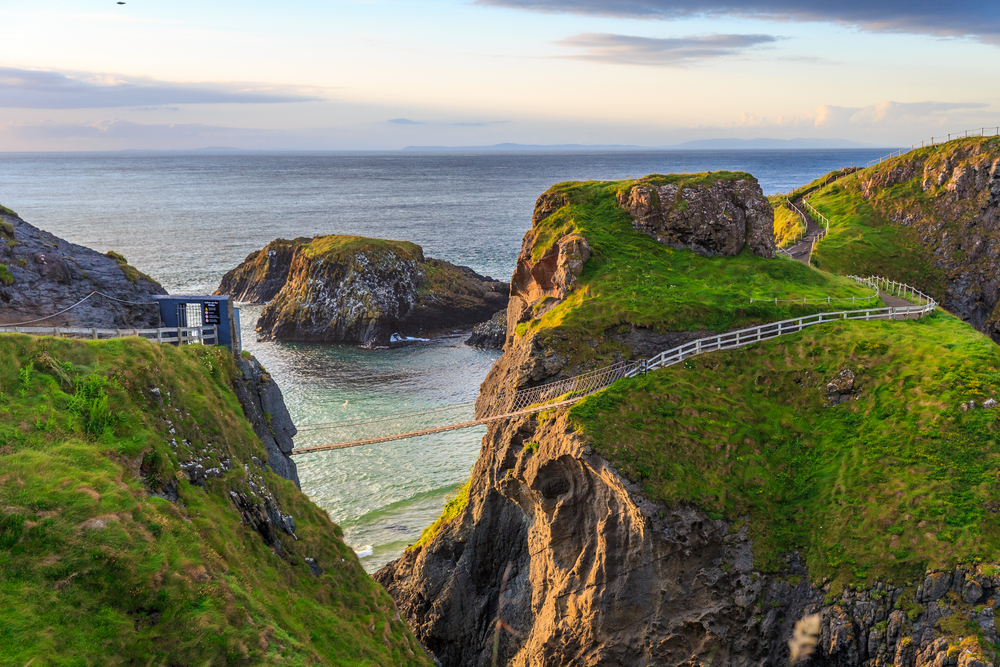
<point>532,400</point>
<point>66,310</point>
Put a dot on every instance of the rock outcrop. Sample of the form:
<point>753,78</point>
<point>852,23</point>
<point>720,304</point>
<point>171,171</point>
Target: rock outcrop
<point>357,290</point>
<point>42,274</point>
<point>264,407</point>
<point>711,216</point>
<point>490,335</point>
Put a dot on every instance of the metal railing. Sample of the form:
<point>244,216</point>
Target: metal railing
<point>981,132</point>
<point>172,335</point>
<point>507,405</point>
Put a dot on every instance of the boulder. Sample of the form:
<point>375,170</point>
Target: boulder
<point>711,216</point>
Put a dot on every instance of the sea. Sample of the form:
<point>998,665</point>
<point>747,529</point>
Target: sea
<point>187,218</point>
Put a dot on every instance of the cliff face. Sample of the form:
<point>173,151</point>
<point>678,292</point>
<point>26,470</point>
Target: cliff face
<point>41,274</point>
<point>264,407</point>
<point>351,289</point>
<point>688,529</point>
<point>931,215</point>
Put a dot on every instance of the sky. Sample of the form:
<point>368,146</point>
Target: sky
<point>92,75</point>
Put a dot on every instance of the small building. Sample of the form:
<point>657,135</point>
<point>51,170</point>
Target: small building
<point>210,317</point>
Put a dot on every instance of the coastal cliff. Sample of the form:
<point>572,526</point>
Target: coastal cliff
<point>694,515</point>
<point>42,274</point>
<point>357,290</point>
<point>929,217</point>
<point>140,523</point>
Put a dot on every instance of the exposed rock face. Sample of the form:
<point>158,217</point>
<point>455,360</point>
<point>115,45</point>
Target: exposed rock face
<point>45,274</point>
<point>350,289</point>
<point>717,217</point>
<point>265,409</point>
<point>490,335</point>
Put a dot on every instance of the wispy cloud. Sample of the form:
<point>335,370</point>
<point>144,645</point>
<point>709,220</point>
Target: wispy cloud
<point>672,51</point>
<point>881,115</point>
<point>979,19</point>
<point>404,121</point>
<point>47,89</point>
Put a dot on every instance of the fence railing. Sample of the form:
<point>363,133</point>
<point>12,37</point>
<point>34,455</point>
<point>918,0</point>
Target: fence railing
<point>980,132</point>
<point>742,337</point>
<point>172,335</point>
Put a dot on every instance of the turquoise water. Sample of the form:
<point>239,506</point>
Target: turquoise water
<point>186,219</point>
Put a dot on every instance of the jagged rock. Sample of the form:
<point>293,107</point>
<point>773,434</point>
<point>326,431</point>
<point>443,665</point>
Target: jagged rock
<point>711,216</point>
<point>50,274</point>
<point>490,335</point>
<point>265,409</point>
<point>358,290</point>
<point>935,586</point>
<point>841,388</point>
<point>989,403</point>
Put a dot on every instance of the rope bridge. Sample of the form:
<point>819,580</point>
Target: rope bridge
<point>509,405</point>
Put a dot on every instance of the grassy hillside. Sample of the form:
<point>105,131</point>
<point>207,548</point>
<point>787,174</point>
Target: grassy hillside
<point>911,218</point>
<point>631,279</point>
<point>788,226</point>
<point>95,569</point>
<point>896,480</point>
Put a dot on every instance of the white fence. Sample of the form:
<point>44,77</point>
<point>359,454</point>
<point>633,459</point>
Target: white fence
<point>798,237</point>
<point>735,339</point>
<point>173,335</point>
<point>980,132</point>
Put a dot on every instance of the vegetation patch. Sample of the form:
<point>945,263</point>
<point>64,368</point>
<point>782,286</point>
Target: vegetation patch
<point>131,273</point>
<point>96,569</point>
<point>6,277</point>
<point>7,227</point>
<point>340,244</point>
<point>631,279</point>
<point>883,486</point>
<point>788,226</point>
<point>452,507</point>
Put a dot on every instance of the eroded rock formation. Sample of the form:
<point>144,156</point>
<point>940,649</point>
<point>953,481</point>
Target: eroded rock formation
<point>710,216</point>
<point>265,409</point>
<point>351,289</point>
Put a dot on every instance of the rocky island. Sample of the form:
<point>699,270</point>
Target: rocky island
<point>359,290</point>
<point>695,515</point>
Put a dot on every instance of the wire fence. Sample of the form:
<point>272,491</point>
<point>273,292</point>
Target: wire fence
<point>980,132</point>
<point>802,232</point>
<point>532,400</point>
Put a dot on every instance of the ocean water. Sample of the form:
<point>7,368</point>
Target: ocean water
<point>186,219</point>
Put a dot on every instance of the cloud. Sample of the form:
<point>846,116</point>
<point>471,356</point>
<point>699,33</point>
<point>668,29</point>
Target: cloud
<point>674,51</point>
<point>979,19</point>
<point>404,121</point>
<point>47,89</point>
<point>881,115</point>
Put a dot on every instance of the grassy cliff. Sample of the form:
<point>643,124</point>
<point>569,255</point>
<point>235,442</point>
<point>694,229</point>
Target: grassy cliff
<point>631,280</point>
<point>108,555</point>
<point>916,218</point>
<point>896,480</point>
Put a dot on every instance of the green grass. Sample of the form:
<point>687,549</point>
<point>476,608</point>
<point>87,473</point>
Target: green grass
<point>6,277</point>
<point>337,244</point>
<point>132,274</point>
<point>884,486</point>
<point>631,279</point>
<point>83,440</point>
<point>788,225</point>
<point>453,505</point>
<point>6,227</point>
<point>864,209</point>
